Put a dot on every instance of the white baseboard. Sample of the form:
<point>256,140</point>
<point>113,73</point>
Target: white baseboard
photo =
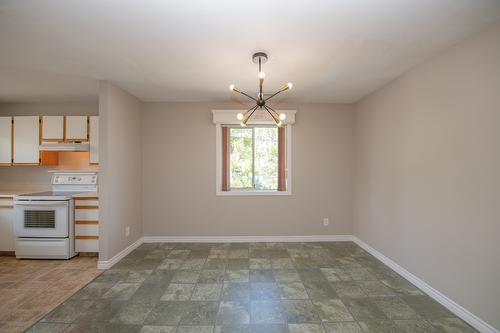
<point>246,239</point>
<point>455,308</point>
<point>107,264</point>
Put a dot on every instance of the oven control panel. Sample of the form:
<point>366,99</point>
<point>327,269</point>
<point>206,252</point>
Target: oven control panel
<point>75,179</point>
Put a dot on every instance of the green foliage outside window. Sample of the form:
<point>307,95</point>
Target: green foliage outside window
<point>254,158</point>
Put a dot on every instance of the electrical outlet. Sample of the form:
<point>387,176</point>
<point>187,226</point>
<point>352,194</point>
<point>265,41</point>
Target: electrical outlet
<point>326,221</point>
<point>127,231</point>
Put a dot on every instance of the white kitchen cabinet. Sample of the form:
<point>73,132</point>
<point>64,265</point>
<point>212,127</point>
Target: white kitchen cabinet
<point>76,128</point>
<point>53,128</point>
<point>85,214</point>
<point>87,224</point>
<point>94,139</point>
<point>5,140</point>
<point>7,238</point>
<point>26,140</point>
<point>86,245</point>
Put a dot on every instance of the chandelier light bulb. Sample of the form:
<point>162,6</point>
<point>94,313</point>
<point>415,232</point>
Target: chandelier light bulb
<point>243,124</point>
<point>262,75</point>
<point>239,116</point>
<point>231,87</point>
<point>282,116</point>
<point>289,85</point>
<point>279,124</point>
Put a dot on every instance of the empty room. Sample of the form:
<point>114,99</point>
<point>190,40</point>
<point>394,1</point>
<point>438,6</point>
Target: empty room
<point>279,166</point>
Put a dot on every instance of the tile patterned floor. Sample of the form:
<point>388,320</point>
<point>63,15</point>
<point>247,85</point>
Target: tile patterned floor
<point>256,287</point>
<point>29,289</point>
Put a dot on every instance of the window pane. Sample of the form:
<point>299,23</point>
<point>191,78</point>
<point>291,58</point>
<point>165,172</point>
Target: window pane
<point>241,157</point>
<point>266,158</point>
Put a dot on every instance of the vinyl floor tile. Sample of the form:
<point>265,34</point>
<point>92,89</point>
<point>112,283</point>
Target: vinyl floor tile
<point>315,287</point>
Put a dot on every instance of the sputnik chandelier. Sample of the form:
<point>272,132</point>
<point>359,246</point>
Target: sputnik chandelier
<point>261,102</point>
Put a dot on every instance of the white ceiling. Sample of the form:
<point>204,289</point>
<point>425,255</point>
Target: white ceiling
<point>189,50</point>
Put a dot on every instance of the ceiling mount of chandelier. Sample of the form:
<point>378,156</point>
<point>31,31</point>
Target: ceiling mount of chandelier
<point>260,58</point>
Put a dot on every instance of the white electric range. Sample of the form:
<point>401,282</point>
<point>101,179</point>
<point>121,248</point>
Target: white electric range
<point>44,222</point>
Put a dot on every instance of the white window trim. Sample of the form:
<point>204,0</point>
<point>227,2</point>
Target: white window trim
<point>228,117</point>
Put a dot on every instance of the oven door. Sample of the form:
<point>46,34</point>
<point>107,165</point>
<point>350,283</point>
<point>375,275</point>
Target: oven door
<point>39,219</point>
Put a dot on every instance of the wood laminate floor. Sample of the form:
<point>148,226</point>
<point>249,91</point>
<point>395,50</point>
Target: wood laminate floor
<point>29,289</point>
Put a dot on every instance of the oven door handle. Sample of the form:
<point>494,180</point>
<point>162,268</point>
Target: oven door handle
<point>41,203</point>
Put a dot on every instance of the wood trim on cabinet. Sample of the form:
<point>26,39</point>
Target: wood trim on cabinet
<point>86,207</point>
<point>87,237</point>
<point>52,140</point>
<point>86,222</point>
<point>86,198</point>
<point>76,140</point>
<point>40,129</point>
<point>6,207</point>
<point>26,164</point>
<point>64,128</point>
<point>6,198</point>
<point>88,254</point>
<point>12,142</point>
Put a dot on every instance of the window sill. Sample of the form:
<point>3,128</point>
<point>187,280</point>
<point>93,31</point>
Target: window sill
<point>252,193</point>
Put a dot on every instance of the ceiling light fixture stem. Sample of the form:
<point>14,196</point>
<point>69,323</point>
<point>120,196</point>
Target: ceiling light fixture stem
<point>245,94</point>
<point>270,108</point>
<point>251,113</point>
<point>276,119</point>
<point>251,109</point>
<point>276,93</point>
<point>261,80</point>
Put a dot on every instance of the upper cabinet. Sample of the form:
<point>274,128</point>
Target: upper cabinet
<point>26,140</point>
<point>5,140</point>
<point>53,128</point>
<point>76,128</point>
<point>94,139</point>
<point>21,136</point>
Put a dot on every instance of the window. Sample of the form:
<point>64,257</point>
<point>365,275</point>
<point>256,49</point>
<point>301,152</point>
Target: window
<point>253,159</point>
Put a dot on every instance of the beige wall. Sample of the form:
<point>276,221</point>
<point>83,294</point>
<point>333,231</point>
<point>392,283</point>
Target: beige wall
<point>427,178</point>
<point>179,176</point>
<point>120,190</point>
<point>39,176</point>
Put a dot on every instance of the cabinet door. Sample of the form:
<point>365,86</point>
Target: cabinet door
<point>76,128</point>
<point>5,140</point>
<point>26,140</point>
<point>7,238</point>
<point>53,128</point>
<point>94,139</point>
